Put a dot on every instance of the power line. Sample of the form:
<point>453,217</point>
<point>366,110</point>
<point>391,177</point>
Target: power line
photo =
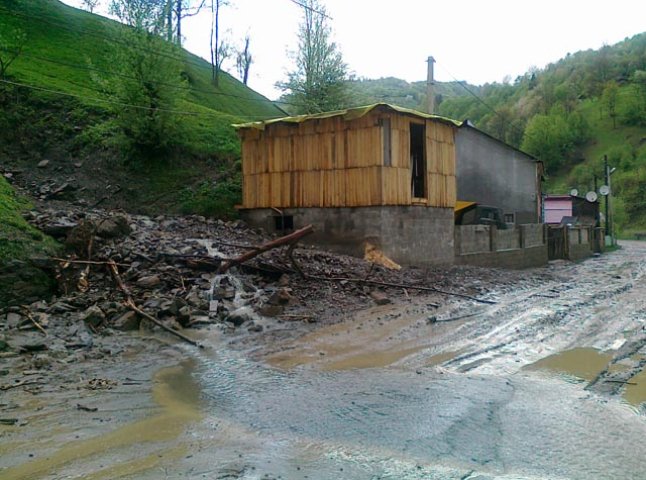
<point>123,104</point>
<point>95,34</point>
<point>463,85</point>
<point>307,7</point>
<point>177,87</point>
<point>184,59</point>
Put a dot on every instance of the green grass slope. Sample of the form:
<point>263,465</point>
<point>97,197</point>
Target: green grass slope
<point>62,40</point>
<point>54,108</point>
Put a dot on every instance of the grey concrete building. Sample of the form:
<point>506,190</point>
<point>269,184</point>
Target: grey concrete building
<point>491,172</point>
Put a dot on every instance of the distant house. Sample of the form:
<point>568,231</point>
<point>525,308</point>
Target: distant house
<point>570,209</point>
<point>491,172</point>
<point>379,175</point>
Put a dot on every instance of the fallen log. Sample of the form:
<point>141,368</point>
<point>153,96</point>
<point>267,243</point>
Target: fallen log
<point>132,306</point>
<point>399,285</point>
<point>290,239</point>
<point>31,318</point>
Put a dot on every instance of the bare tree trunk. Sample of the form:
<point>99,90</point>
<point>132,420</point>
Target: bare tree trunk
<point>216,78</point>
<point>212,47</point>
<point>178,12</point>
<point>169,21</point>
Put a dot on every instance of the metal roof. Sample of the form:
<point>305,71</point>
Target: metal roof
<point>347,114</point>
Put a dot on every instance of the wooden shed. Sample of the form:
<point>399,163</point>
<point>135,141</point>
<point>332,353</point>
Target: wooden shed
<point>374,155</point>
<point>380,173</point>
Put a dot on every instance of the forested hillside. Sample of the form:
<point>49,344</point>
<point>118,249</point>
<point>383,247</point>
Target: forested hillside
<point>400,92</point>
<point>572,113</point>
<point>77,88</point>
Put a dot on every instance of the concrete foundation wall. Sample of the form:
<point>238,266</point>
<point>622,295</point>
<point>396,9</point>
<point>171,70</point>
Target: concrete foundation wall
<point>492,173</point>
<point>508,239</point>
<point>472,239</point>
<point>533,235</point>
<point>409,235</point>
<point>523,246</point>
<point>514,259</point>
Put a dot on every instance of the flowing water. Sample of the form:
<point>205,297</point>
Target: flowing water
<point>393,423</point>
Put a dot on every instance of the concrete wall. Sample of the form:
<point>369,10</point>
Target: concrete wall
<point>492,173</point>
<point>514,259</point>
<point>409,235</point>
<point>579,246</point>
<point>520,247</point>
<point>508,239</point>
<point>533,235</point>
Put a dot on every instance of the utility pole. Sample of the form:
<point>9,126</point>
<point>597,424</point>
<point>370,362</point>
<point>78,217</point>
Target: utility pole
<point>430,86</point>
<point>596,189</point>
<point>607,182</point>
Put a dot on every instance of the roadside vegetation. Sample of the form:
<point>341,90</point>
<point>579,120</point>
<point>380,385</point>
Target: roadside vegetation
<point>19,244</point>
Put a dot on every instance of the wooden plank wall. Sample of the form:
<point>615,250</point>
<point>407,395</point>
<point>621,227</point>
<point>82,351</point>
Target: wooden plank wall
<point>334,163</point>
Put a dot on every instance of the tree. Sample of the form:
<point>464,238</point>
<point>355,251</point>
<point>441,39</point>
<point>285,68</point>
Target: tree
<point>319,81</point>
<point>145,93</point>
<point>609,101</point>
<point>12,42</point>
<point>244,61</point>
<point>220,48</point>
<point>146,15</point>
<point>633,105</point>
<point>90,5</point>
<point>176,12</point>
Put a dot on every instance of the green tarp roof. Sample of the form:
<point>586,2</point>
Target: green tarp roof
<point>347,114</point>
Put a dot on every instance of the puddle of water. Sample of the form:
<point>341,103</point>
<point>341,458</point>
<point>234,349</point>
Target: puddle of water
<point>636,394</point>
<point>373,359</point>
<point>174,391</point>
<point>442,357</point>
<point>585,363</point>
<point>377,337</point>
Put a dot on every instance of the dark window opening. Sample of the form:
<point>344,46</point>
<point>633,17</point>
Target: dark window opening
<point>387,140</point>
<point>284,222</point>
<point>418,160</point>
<point>509,218</point>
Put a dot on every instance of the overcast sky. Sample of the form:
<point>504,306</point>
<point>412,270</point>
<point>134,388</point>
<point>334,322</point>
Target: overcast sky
<point>474,40</point>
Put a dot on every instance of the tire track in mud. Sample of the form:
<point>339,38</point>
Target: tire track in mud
<point>601,299</point>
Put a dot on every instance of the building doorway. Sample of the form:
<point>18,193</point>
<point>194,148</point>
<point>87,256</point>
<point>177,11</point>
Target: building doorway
<point>418,160</point>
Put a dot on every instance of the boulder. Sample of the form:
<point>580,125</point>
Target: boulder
<point>255,328</point>
<point>240,316</point>
<point>127,322</point>
<point>43,164</point>
<point>149,281</point>
<point>271,310</point>
<point>93,316</point>
<point>113,227</point>
<point>59,228</point>
<point>280,297</point>
<point>184,316</point>
<point>380,298</point>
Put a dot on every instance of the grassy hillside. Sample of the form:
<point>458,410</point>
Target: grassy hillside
<point>57,106</point>
<point>65,44</point>
<point>19,280</point>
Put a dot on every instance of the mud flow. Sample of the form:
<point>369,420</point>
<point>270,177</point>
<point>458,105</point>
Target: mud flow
<point>547,383</point>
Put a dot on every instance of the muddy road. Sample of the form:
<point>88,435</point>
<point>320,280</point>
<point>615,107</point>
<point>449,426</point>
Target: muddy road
<point>548,383</point>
